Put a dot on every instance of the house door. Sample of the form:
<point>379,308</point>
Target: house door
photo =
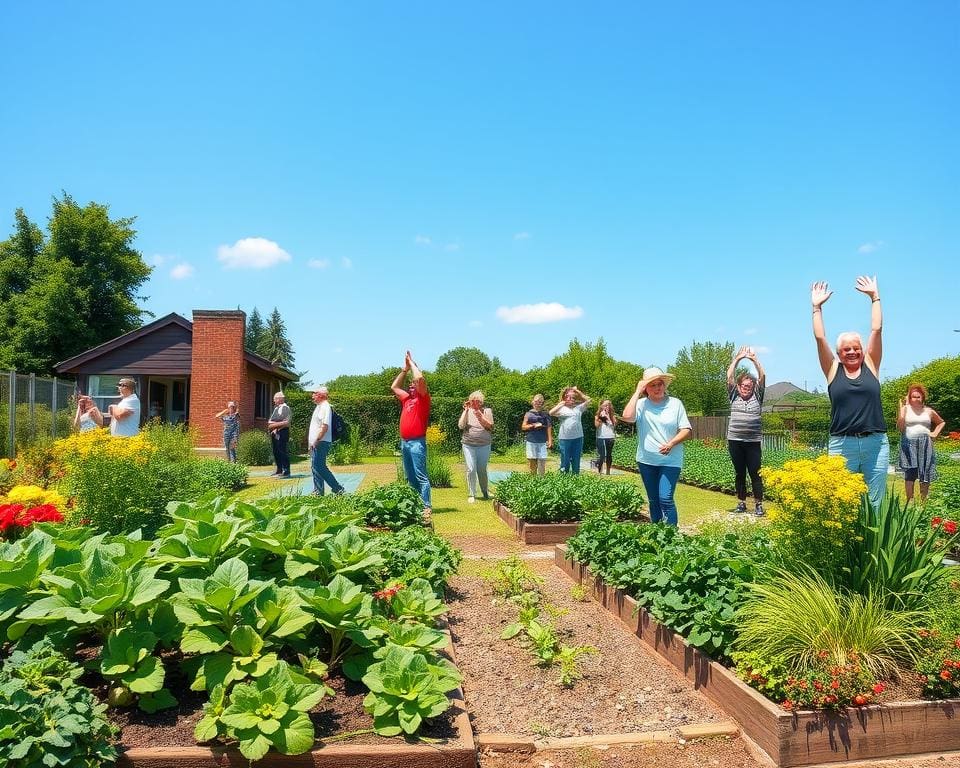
<point>157,401</point>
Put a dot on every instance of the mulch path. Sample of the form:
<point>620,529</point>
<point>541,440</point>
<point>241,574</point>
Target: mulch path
<point>625,688</point>
<point>729,753</point>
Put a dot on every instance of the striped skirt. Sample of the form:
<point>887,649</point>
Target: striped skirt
<point>917,453</point>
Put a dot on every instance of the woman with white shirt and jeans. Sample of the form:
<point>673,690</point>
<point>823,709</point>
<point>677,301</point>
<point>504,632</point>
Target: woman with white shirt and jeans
<point>569,412</point>
<point>605,422</point>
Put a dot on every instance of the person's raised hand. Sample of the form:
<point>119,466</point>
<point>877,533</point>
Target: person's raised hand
<point>819,293</point>
<point>868,285</point>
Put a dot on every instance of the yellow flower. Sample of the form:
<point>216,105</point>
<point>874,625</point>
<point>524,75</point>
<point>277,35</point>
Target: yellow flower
<point>33,496</point>
<point>435,436</point>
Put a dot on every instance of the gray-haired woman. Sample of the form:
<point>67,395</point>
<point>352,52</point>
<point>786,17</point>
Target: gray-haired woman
<point>476,426</point>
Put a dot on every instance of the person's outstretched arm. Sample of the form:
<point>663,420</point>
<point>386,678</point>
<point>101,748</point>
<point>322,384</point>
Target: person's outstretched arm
<point>819,294</point>
<point>732,370</point>
<point>397,385</point>
<point>868,285</point>
<point>417,375</point>
<point>761,374</point>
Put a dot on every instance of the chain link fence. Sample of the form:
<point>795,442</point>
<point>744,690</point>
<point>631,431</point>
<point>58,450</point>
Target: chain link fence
<point>33,408</point>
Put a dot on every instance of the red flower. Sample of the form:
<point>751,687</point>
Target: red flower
<point>835,684</point>
<point>879,688</point>
<point>12,464</point>
<point>946,674</point>
<point>957,642</point>
<point>935,522</point>
<point>803,685</point>
<point>830,699</point>
<point>818,685</point>
<point>787,705</point>
<point>859,699</point>
<point>950,527</point>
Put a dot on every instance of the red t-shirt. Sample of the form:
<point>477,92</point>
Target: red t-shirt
<point>414,416</point>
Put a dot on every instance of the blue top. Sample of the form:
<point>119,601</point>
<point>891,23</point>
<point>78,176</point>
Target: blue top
<point>537,435</point>
<point>658,423</point>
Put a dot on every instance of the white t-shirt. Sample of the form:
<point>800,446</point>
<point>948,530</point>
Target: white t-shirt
<point>570,425</point>
<point>129,425</point>
<point>86,422</point>
<point>321,416</point>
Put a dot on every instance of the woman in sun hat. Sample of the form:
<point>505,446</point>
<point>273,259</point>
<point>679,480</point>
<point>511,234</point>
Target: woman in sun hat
<point>662,426</point>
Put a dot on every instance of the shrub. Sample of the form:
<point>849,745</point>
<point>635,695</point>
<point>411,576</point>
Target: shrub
<point>254,448</point>
<point>393,506</point>
<point>438,470</point>
<point>799,620</point>
<point>47,717</point>
<point>819,504</point>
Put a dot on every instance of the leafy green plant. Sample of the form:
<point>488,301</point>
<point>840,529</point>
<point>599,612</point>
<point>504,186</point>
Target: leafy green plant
<point>46,717</point>
<point>897,551</point>
<point>568,658</point>
<point>128,663</point>
<point>794,619</point>
<point>416,552</point>
<point>270,712</point>
<point>512,577</point>
<point>560,497</point>
<point>392,506</point>
<point>405,689</point>
<point>415,602</point>
<point>344,611</point>
<point>438,470</point>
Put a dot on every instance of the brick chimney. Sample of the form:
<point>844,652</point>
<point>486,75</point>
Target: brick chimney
<point>219,372</point>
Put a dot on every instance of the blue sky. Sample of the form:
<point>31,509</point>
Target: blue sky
<point>427,175</point>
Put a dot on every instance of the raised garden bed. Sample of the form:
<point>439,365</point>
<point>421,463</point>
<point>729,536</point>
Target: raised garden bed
<point>455,751</point>
<point>790,739</point>
<point>535,533</point>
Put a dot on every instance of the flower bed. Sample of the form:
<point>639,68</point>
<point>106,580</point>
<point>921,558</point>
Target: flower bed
<point>789,738</point>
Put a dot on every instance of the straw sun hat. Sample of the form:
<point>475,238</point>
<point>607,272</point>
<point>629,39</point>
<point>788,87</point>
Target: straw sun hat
<point>651,375</point>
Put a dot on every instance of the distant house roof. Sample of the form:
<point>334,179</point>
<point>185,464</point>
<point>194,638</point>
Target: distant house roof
<point>176,333</point>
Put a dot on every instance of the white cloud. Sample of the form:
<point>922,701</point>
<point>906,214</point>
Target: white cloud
<point>346,263</point>
<point>159,259</point>
<point>252,253</point>
<point>874,245</point>
<point>475,324</point>
<point>750,332</point>
<point>544,312</point>
<point>422,240</point>
<point>338,350</point>
<point>522,236</point>
<point>318,263</point>
<point>182,271</point>
<point>451,247</point>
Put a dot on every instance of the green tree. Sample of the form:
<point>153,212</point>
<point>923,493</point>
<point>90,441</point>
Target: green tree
<point>466,363</point>
<point>701,373</point>
<point>71,290</point>
<point>941,377</point>
<point>274,344</point>
<point>254,332</point>
<point>589,367</point>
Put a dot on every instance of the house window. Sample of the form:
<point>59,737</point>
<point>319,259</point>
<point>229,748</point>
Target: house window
<point>103,390</point>
<point>261,406</point>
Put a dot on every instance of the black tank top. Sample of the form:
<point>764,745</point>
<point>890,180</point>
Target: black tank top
<point>855,403</point>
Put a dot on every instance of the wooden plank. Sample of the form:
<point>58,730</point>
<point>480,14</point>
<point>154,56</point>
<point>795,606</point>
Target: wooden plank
<point>536,533</point>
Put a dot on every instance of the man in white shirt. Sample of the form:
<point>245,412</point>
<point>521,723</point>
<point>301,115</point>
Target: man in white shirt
<point>319,440</point>
<point>125,415</point>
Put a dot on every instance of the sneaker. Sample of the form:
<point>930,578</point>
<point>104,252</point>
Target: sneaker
<point>427,519</point>
<point>741,507</point>
<point>340,491</point>
<point>471,499</point>
<point>759,510</point>
<point>285,475</point>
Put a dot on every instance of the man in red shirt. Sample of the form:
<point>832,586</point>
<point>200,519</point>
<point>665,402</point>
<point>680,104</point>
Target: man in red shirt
<point>414,419</point>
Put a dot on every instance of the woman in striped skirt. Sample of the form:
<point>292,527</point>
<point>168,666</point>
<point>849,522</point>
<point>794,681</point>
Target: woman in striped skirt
<point>919,425</point>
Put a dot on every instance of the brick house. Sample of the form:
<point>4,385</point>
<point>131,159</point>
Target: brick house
<point>185,372</point>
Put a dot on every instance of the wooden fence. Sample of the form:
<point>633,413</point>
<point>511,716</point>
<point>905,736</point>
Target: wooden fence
<point>715,428</point>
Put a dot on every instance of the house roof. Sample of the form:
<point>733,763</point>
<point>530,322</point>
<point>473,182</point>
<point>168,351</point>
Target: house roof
<point>72,363</point>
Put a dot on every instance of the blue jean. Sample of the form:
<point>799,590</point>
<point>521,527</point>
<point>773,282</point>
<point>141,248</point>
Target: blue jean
<point>660,484</point>
<point>414,455</point>
<point>571,450</point>
<point>321,472</point>
<point>870,456</point>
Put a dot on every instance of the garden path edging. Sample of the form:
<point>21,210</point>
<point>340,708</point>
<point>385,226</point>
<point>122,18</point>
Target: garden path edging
<point>535,533</point>
<point>789,739</point>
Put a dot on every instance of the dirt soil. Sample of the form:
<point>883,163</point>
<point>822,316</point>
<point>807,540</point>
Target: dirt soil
<point>625,688</point>
<point>729,753</point>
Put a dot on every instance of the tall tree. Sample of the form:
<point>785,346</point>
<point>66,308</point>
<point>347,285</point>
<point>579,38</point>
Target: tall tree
<point>70,291</point>
<point>254,331</point>
<point>591,368</point>
<point>274,345</point>
<point>701,373</point>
